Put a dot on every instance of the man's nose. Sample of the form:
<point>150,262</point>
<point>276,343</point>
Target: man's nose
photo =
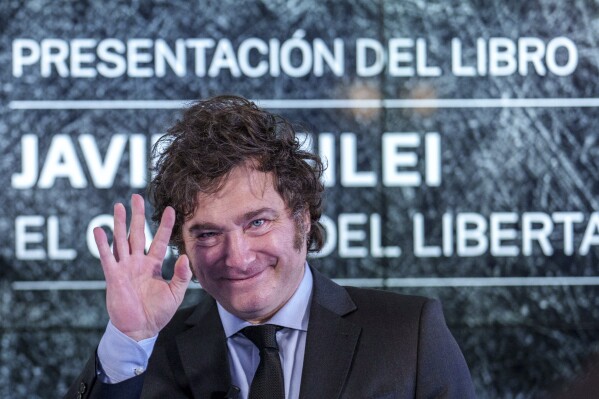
<point>239,251</point>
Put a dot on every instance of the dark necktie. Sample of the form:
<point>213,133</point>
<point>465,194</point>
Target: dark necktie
<point>268,380</point>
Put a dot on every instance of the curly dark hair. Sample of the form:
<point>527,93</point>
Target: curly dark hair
<point>216,135</point>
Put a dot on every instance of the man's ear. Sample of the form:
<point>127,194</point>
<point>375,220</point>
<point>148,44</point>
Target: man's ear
<point>307,222</point>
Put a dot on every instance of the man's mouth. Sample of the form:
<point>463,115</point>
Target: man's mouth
<point>242,278</point>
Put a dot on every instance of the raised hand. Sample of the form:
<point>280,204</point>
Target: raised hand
<point>139,301</point>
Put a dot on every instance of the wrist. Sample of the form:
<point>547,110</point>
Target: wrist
<point>139,335</point>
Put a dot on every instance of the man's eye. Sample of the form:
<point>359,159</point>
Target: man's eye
<point>204,236</point>
<point>257,222</point>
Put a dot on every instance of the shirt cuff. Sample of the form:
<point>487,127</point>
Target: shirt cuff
<point>121,357</point>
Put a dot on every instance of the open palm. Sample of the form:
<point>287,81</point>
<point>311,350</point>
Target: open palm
<point>139,301</point>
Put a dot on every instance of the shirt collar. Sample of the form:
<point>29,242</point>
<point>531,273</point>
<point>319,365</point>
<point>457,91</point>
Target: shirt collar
<point>294,314</point>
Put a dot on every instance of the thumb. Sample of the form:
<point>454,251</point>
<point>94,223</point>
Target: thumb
<point>181,277</point>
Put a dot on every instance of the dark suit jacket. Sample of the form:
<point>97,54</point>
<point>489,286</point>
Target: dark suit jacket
<point>360,344</point>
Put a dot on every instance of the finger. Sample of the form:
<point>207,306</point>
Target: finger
<point>137,237</point>
<point>181,278</point>
<point>106,257</point>
<point>120,243</point>
<point>163,235</point>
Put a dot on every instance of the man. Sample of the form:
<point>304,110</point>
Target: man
<point>241,201</point>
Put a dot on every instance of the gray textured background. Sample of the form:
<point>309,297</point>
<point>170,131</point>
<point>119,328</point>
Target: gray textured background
<point>519,341</point>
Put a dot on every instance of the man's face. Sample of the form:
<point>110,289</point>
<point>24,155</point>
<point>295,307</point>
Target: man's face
<point>242,244</point>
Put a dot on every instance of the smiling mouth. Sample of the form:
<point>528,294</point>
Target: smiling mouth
<point>243,278</point>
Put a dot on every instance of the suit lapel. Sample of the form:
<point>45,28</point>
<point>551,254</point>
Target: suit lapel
<point>203,352</point>
<point>331,341</point>
<point>330,346</point>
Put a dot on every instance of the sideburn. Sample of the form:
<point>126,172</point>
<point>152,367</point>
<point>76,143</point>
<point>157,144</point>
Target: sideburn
<point>301,236</point>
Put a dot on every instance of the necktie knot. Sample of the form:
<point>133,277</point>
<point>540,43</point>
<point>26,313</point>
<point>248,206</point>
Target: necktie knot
<point>263,336</point>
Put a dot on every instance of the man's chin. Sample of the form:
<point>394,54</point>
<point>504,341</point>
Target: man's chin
<point>252,310</point>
